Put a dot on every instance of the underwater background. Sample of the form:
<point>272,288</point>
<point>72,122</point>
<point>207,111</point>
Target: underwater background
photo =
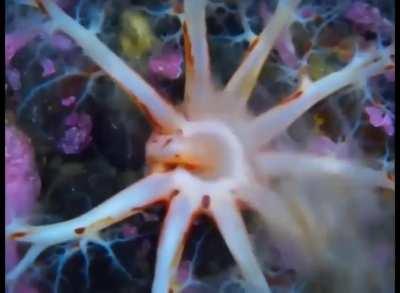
<point>73,138</point>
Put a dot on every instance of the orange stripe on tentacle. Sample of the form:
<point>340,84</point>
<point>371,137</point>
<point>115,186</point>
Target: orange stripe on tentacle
<point>291,98</point>
<point>390,67</point>
<point>18,235</point>
<point>251,47</point>
<point>80,230</point>
<point>189,60</point>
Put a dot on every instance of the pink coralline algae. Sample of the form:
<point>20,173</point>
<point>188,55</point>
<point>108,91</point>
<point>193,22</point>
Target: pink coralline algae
<point>367,18</point>
<point>168,65</point>
<point>378,118</point>
<point>22,179</point>
<point>77,136</point>
<point>16,41</point>
<point>22,182</point>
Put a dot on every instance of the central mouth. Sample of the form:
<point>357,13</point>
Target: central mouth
<point>206,149</point>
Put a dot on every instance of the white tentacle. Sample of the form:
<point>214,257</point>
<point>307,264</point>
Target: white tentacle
<point>233,230</point>
<point>170,244</point>
<point>308,165</point>
<point>162,113</point>
<point>120,206</point>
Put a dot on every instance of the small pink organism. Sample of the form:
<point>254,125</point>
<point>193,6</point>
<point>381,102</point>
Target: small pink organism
<point>68,101</point>
<point>367,18</point>
<point>211,155</point>
<point>48,67</point>
<point>167,65</point>
<point>378,118</point>
<point>77,135</point>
